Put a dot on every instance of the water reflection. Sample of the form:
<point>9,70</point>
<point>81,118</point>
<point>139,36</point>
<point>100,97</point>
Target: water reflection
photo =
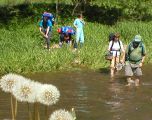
<point>92,96</point>
<point>82,95</point>
<point>115,103</point>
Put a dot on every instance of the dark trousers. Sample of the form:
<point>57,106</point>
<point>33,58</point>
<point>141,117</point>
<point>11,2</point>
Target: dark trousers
<point>48,40</point>
<point>61,41</point>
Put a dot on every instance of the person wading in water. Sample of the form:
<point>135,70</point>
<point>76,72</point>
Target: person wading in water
<point>135,56</point>
<point>117,50</point>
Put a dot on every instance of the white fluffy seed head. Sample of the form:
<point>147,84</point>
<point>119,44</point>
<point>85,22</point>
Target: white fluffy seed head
<point>9,81</point>
<point>61,115</point>
<point>37,87</point>
<point>25,91</point>
<point>48,94</point>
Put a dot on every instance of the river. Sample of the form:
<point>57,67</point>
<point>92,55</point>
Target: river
<point>93,96</point>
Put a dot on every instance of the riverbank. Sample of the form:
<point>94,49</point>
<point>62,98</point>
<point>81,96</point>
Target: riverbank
<point>22,47</point>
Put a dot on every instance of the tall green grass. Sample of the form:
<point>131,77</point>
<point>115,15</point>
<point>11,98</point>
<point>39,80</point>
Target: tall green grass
<point>22,47</point>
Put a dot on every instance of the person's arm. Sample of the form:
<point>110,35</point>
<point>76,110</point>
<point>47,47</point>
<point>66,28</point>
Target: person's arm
<point>143,56</point>
<point>40,28</point>
<point>47,31</point>
<point>127,52</point>
<point>109,47</point>
<point>123,57</point>
<point>49,25</point>
<point>142,61</point>
<point>123,53</point>
<point>75,23</point>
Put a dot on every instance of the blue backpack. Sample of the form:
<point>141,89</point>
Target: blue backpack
<point>49,16</point>
<point>66,29</point>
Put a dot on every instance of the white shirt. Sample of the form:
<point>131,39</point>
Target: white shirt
<point>116,48</point>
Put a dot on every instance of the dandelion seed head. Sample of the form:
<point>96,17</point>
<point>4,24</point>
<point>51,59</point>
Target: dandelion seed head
<point>61,115</point>
<point>10,80</point>
<point>36,87</point>
<point>25,92</point>
<point>48,95</point>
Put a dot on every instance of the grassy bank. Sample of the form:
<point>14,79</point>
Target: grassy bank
<point>22,50</point>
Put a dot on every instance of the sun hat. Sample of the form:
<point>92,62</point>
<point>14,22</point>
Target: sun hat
<point>137,38</point>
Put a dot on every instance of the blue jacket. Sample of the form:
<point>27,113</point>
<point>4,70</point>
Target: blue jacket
<point>46,24</point>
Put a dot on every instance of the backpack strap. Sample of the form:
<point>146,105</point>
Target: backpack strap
<point>142,48</point>
<point>129,48</point>
<point>119,44</point>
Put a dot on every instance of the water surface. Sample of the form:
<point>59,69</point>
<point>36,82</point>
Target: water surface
<point>92,95</point>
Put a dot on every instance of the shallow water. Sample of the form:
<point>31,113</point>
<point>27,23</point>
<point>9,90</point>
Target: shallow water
<point>92,95</point>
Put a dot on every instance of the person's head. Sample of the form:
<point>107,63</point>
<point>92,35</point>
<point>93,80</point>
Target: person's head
<point>66,36</point>
<point>137,41</point>
<point>116,36</point>
<point>80,16</point>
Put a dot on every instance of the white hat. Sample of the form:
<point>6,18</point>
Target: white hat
<point>137,38</point>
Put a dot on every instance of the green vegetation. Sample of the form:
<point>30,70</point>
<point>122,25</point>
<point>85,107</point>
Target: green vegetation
<point>22,45</point>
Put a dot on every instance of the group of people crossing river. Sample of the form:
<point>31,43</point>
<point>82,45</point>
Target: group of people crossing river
<point>131,56</point>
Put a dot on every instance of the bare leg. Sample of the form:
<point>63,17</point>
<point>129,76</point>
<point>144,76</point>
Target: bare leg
<point>137,82</point>
<point>129,81</point>
<point>112,70</point>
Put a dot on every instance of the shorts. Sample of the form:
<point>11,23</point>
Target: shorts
<point>131,69</point>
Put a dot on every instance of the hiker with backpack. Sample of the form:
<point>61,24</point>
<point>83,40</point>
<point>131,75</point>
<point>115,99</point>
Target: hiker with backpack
<point>135,56</point>
<point>66,33</point>
<point>45,27</point>
<point>79,24</point>
<point>117,50</point>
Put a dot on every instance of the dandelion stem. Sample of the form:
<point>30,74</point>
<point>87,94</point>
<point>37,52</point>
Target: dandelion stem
<point>46,112</point>
<point>12,108</point>
<point>36,112</point>
<point>29,111</point>
<point>38,115</point>
<point>15,109</point>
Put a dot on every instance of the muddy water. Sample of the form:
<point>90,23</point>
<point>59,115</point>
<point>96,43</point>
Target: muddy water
<point>92,96</point>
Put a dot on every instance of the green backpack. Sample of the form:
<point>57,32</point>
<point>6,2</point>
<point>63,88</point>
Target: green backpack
<point>131,49</point>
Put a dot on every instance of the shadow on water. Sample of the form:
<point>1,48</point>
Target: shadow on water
<point>92,95</point>
<point>104,70</point>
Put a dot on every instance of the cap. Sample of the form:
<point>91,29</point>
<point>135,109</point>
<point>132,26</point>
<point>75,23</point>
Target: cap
<point>137,38</point>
